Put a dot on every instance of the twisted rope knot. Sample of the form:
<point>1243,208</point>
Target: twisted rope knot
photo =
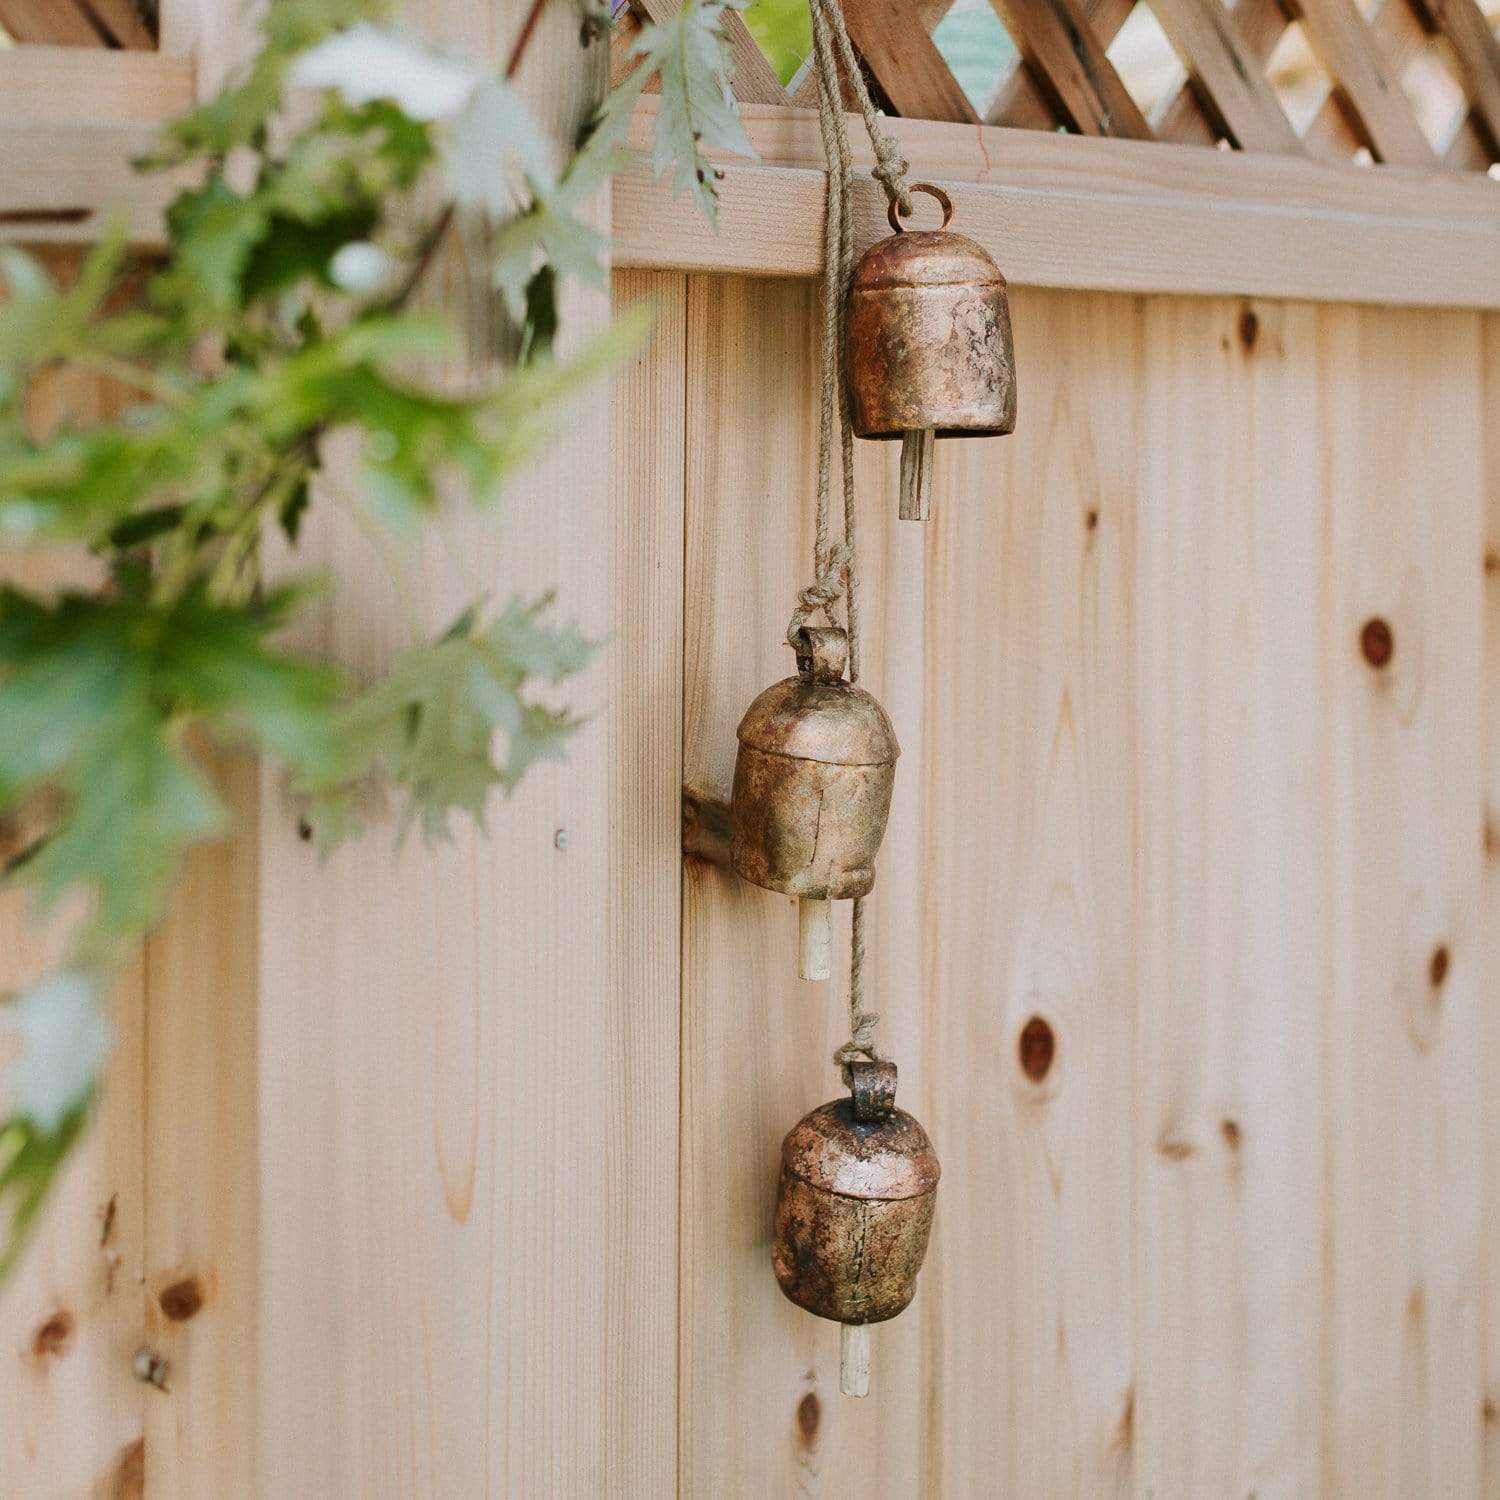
<point>890,171</point>
<point>822,593</point>
<point>861,1043</point>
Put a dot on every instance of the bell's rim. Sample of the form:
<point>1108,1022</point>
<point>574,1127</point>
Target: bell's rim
<point>1000,429</point>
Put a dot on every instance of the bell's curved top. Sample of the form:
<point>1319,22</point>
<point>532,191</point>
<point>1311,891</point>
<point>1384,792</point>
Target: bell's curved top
<point>832,722</point>
<point>829,1149</point>
<point>925,257</point>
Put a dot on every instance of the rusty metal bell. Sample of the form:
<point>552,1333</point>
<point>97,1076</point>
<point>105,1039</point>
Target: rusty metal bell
<point>854,1209</point>
<point>812,789</point>
<point>929,351</point>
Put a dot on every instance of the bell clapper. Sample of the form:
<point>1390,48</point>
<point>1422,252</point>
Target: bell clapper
<point>916,473</point>
<point>854,1359</point>
<point>814,939</point>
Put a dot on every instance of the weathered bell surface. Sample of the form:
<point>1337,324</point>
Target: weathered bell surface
<point>854,1205</point>
<point>928,350</point>
<point>929,340</point>
<point>813,780</point>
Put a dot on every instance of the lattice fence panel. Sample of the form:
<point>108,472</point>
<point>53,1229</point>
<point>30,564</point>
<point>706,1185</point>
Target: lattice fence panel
<point>1410,82</point>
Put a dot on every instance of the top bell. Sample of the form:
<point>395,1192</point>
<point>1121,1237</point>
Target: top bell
<point>929,350</point>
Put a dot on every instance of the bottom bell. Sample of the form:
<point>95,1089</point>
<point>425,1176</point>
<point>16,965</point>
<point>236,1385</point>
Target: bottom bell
<point>854,1210</point>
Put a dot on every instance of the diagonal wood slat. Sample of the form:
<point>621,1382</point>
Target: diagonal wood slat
<point>123,21</point>
<point>1227,74</point>
<point>1261,24</point>
<point>904,60</point>
<point>1066,57</point>
<point>1023,104</point>
<point>754,81</point>
<point>1478,54</point>
<point>54,23</point>
<point>1363,79</point>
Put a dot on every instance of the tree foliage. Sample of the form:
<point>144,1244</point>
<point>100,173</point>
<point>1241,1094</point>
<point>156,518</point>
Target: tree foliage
<point>278,329</point>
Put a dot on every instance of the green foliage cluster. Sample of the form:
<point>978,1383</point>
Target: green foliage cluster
<point>278,321</point>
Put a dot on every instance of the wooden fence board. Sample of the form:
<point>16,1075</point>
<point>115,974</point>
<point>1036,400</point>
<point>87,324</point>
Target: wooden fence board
<point>1107,215</point>
<point>1406,1108</point>
<point>643,723</point>
<point>201,1274</point>
<point>1489,837</point>
<point>1026,925</point>
<point>1233,922</point>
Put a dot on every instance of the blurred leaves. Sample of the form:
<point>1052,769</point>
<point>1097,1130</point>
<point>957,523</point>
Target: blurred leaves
<point>279,328</point>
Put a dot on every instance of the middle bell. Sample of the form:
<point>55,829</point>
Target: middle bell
<point>812,790</point>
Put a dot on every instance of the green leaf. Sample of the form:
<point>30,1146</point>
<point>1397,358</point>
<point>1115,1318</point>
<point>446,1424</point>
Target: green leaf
<point>40,321</point>
<point>690,55</point>
<point>430,725</point>
<point>30,1159</point>
<point>95,696</point>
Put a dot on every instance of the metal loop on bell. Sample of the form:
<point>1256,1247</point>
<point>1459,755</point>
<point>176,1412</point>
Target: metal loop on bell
<point>822,653</point>
<point>873,1087</point>
<point>932,191</point>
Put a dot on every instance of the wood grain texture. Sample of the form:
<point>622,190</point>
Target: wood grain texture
<point>1026,909</point>
<point>71,85</point>
<point>647,435</point>
<point>1227,74</point>
<point>897,48</point>
<point>201,1126</point>
<point>1066,58</point>
<point>1233,926</point>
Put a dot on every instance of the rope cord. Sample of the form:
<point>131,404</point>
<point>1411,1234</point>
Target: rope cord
<point>835,562</point>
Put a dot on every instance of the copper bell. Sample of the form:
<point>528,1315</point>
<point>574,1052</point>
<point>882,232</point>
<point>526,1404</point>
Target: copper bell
<point>929,348</point>
<point>812,790</point>
<point>853,1212</point>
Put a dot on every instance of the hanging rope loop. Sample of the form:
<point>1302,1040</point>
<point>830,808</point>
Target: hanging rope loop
<point>820,595</point>
<point>836,572</point>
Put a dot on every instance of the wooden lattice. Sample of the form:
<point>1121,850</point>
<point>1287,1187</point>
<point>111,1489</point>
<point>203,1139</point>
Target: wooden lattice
<point>1065,78</point>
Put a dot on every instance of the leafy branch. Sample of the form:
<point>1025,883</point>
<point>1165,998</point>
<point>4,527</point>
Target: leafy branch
<point>279,328</point>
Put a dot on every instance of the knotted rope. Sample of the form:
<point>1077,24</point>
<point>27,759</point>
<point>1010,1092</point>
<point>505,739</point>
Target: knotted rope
<point>835,563</point>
